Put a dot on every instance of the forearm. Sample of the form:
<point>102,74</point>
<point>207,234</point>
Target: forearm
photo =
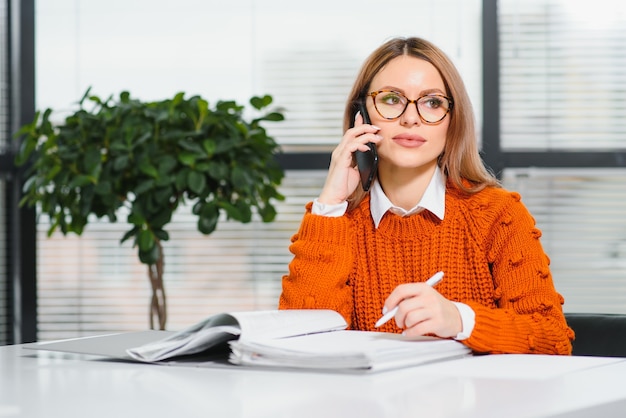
<point>528,316</point>
<point>506,331</point>
<point>322,263</point>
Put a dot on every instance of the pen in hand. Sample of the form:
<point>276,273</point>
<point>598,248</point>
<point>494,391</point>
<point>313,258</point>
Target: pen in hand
<point>436,278</point>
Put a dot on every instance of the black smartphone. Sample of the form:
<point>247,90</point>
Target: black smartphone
<point>366,161</point>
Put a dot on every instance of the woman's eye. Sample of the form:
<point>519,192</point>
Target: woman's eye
<point>391,99</point>
<point>433,102</point>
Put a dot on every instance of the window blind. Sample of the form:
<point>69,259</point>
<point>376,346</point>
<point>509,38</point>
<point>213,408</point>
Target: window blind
<point>312,86</point>
<point>562,84</point>
<point>581,215</point>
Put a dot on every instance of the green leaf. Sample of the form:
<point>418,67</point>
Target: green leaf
<point>166,165</point>
<point>161,218</point>
<point>181,179</point>
<point>207,220</point>
<point>203,167</point>
<point>187,158</point>
<point>143,187</point>
<point>163,196</point>
<point>135,218</point>
<point>85,96</point>
<point>129,234</point>
<point>147,168</point>
<point>54,170</point>
<point>196,182</point>
<point>191,146</point>
<point>178,99</point>
<point>161,234</point>
<point>151,256</point>
<point>93,161</point>
<point>80,181</point>
<point>219,170</point>
<point>245,211</point>
<point>273,117</point>
<point>209,147</point>
<point>121,162</point>
<point>103,188</point>
<point>267,212</point>
<point>231,210</point>
<point>260,102</point>
<point>145,240</point>
<point>240,178</point>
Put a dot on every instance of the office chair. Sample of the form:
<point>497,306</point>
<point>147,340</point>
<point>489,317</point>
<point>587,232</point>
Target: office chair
<point>598,334</point>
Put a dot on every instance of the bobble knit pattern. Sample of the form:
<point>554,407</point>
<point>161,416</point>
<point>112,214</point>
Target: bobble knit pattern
<point>487,246</point>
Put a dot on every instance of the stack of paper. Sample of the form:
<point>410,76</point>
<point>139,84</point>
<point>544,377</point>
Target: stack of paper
<point>345,350</point>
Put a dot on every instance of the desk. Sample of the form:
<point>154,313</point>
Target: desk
<point>48,384</point>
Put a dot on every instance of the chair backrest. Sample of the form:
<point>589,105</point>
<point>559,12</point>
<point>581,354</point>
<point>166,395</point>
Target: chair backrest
<point>598,334</point>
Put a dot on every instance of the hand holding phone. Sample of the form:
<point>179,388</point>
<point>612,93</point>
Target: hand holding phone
<point>367,161</point>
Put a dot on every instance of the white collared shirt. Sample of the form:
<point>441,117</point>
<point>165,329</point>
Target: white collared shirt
<point>433,200</point>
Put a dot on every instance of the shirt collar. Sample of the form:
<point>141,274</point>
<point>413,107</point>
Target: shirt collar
<point>434,200</point>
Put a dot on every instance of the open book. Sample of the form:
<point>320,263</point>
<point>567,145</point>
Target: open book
<point>252,325</point>
<point>302,339</point>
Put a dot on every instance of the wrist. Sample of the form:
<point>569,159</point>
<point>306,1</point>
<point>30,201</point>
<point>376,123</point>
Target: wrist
<point>325,209</point>
<point>328,200</point>
<point>468,320</point>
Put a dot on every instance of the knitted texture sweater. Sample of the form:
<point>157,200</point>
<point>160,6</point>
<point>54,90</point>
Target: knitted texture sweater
<point>487,245</point>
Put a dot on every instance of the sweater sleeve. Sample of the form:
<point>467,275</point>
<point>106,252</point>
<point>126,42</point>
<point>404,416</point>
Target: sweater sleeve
<point>319,273</point>
<point>528,317</point>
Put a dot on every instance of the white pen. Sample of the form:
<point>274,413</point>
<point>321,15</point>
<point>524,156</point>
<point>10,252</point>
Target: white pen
<point>386,317</point>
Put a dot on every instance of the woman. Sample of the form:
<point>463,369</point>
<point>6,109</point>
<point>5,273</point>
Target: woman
<point>432,207</point>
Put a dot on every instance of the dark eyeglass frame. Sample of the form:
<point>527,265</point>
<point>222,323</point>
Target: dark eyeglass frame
<point>373,95</point>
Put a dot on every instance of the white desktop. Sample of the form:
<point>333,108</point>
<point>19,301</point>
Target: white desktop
<point>51,384</point>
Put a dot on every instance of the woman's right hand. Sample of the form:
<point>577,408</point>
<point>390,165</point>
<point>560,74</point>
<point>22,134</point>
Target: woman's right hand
<point>343,175</point>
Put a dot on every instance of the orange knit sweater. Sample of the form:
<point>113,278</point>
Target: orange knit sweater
<point>487,245</point>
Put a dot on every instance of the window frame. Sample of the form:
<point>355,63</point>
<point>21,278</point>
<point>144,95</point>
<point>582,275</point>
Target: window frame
<point>20,223</point>
<point>493,154</point>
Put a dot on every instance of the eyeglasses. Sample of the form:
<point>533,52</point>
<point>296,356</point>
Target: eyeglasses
<point>431,108</point>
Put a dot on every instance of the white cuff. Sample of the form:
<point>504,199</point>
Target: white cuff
<point>468,320</point>
<point>334,211</point>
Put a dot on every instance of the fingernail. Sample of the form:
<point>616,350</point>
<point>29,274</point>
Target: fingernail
<point>384,310</point>
<point>375,127</point>
<point>379,136</point>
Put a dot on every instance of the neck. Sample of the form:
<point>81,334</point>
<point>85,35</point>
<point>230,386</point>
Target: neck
<point>405,187</point>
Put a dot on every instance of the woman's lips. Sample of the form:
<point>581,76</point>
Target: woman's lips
<point>409,141</point>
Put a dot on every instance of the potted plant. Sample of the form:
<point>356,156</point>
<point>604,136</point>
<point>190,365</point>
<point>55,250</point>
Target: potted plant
<point>150,157</point>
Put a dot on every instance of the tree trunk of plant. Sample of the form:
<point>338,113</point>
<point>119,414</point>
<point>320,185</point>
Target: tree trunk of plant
<point>158,306</point>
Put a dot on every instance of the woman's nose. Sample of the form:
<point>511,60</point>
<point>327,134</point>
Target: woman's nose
<point>411,116</point>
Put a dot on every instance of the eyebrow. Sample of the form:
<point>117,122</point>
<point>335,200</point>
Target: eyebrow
<point>422,93</point>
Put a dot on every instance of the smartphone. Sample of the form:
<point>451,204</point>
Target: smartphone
<point>366,161</point>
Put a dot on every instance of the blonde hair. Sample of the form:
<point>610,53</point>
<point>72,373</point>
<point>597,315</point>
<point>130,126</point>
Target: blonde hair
<point>460,160</point>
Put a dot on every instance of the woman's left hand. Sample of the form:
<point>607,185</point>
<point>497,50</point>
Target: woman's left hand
<point>422,310</point>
